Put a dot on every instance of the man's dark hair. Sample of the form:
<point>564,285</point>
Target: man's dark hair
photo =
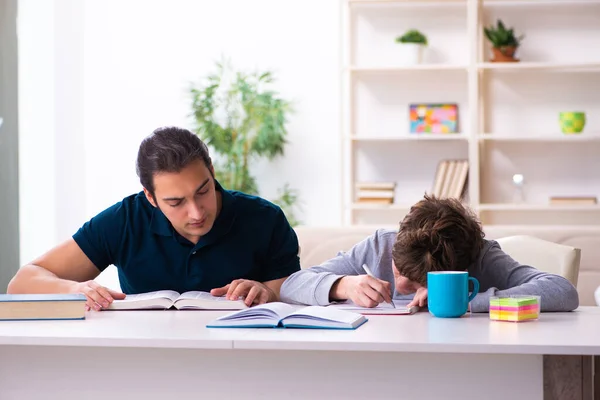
<point>437,235</point>
<point>168,149</point>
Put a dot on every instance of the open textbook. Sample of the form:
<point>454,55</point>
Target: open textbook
<point>381,309</point>
<point>164,299</point>
<point>282,315</point>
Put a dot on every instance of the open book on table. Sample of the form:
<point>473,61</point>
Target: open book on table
<point>381,309</point>
<point>282,315</point>
<point>165,299</point>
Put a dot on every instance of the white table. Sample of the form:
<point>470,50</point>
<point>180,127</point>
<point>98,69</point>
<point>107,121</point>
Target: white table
<point>171,355</point>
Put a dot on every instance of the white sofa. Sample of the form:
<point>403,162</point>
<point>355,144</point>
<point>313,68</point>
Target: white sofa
<point>320,243</point>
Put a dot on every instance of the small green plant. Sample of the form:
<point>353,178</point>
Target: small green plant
<point>501,38</point>
<point>412,36</point>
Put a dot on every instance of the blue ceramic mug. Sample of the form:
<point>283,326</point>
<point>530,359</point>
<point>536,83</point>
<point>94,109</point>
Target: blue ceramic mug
<point>448,293</point>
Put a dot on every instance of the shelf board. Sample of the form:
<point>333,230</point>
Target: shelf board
<point>379,207</point>
<point>409,3</point>
<point>583,137</point>
<point>539,2</point>
<point>406,68</point>
<point>408,138</point>
<point>526,65</point>
<point>538,207</point>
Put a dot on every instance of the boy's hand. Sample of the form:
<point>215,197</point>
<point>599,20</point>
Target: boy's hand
<point>363,290</point>
<point>420,298</point>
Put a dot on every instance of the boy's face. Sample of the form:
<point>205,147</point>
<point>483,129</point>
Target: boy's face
<point>188,199</point>
<point>404,285</point>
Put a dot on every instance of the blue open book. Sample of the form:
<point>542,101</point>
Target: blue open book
<point>282,315</point>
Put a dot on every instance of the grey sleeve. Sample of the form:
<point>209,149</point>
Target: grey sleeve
<point>503,276</point>
<point>311,286</point>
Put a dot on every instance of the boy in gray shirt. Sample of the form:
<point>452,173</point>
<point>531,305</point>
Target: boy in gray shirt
<point>436,235</point>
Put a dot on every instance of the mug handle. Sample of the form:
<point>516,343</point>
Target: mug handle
<point>475,288</point>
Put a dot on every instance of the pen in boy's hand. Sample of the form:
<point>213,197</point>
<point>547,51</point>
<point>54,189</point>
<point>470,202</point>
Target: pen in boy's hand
<point>368,271</point>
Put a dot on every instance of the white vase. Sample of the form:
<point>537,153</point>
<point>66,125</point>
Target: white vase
<point>411,53</point>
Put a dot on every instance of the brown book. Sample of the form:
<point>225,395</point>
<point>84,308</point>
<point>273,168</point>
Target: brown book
<point>438,181</point>
<point>376,185</point>
<point>376,194</point>
<point>460,179</point>
<point>367,200</point>
<point>565,200</point>
<point>448,179</point>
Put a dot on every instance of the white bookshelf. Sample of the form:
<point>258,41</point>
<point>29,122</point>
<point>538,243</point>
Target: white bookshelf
<point>508,112</point>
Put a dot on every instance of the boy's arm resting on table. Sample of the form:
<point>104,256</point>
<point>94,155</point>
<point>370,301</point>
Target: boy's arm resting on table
<point>313,286</point>
<point>508,277</point>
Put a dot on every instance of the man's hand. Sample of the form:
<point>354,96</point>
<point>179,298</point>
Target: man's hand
<point>253,292</point>
<point>420,298</point>
<point>98,297</point>
<point>363,290</point>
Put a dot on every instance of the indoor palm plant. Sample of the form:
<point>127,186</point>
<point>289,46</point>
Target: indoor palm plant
<point>504,42</point>
<point>242,120</point>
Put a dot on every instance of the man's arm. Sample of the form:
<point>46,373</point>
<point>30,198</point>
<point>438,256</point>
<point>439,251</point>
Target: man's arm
<point>505,277</point>
<point>64,269</point>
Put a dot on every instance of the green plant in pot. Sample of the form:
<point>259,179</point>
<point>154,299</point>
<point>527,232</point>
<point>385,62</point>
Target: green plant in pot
<point>243,120</point>
<point>413,42</point>
<point>504,42</point>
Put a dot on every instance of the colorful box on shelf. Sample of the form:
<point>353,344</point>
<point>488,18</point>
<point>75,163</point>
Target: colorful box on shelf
<point>515,308</point>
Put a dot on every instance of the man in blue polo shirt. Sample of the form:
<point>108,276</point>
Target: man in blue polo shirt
<point>183,232</point>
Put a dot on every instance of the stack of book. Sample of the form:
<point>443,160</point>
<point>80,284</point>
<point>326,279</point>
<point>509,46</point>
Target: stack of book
<point>451,179</point>
<point>375,192</point>
<point>573,200</point>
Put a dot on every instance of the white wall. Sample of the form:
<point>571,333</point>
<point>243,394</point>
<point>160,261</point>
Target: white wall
<point>98,76</point>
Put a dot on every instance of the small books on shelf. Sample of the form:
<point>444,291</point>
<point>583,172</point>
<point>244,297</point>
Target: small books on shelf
<point>165,299</point>
<point>375,192</point>
<point>451,179</point>
<point>573,200</point>
<point>42,306</point>
<point>381,309</point>
<point>282,315</point>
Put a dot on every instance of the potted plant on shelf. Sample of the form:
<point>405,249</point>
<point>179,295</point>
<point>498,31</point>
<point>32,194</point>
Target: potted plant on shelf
<point>413,42</point>
<point>504,42</point>
<point>243,119</point>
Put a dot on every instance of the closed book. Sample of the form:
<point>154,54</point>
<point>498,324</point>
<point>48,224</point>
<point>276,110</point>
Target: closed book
<point>41,306</point>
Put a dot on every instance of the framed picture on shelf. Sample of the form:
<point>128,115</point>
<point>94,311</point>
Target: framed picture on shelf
<point>433,118</point>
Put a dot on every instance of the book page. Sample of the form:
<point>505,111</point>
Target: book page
<point>159,294</point>
<point>205,301</point>
<point>323,316</point>
<point>382,308</point>
<point>275,310</point>
<point>160,299</point>
<point>201,296</point>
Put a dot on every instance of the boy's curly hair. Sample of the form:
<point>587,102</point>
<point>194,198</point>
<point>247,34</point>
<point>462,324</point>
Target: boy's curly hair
<point>437,235</point>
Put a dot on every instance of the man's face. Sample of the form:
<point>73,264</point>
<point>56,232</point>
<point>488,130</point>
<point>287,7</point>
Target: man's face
<point>404,285</point>
<point>188,199</point>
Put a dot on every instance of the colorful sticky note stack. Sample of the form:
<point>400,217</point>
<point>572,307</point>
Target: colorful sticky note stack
<point>514,308</point>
